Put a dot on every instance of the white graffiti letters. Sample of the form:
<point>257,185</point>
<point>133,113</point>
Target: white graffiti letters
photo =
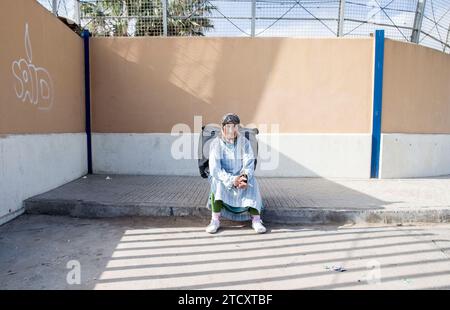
<point>32,84</point>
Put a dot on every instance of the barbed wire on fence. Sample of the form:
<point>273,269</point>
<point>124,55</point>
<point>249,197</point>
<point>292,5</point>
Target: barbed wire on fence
<point>426,22</point>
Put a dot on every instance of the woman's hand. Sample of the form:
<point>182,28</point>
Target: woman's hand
<point>242,185</point>
<point>240,182</point>
<point>237,181</point>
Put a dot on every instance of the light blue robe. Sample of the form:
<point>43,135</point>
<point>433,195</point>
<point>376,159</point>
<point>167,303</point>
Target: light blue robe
<point>226,162</point>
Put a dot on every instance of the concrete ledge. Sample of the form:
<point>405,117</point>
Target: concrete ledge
<point>324,216</point>
<point>286,200</point>
<point>307,216</point>
<point>94,209</point>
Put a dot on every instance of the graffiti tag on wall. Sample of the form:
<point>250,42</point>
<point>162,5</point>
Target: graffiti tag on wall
<point>33,84</point>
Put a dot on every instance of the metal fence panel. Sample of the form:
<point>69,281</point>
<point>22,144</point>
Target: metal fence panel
<point>263,18</point>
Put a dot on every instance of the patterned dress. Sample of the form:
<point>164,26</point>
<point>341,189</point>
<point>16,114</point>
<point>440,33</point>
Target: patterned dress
<point>226,162</point>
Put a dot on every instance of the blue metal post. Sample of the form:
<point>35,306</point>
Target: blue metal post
<point>377,103</point>
<point>87,92</point>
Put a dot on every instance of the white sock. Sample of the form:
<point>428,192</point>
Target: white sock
<point>216,216</point>
<point>256,218</point>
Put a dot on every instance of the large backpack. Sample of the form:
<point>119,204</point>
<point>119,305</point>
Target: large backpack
<point>211,132</point>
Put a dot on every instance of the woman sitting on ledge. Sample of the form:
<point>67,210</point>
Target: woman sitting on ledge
<point>234,189</point>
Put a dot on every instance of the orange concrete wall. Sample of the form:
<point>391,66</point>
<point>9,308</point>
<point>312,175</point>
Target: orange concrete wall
<point>305,85</point>
<point>416,89</point>
<point>42,74</point>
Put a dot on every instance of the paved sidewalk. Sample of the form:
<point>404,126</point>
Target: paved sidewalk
<point>176,253</point>
<point>286,200</point>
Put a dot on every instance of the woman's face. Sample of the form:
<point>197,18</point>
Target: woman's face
<point>230,131</point>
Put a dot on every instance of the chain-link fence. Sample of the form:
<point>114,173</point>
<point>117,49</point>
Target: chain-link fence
<point>65,8</point>
<point>426,22</point>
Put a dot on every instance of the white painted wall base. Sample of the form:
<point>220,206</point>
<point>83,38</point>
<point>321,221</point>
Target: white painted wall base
<point>414,155</point>
<point>35,163</point>
<point>8,217</point>
<point>132,153</point>
<point>299,155</point>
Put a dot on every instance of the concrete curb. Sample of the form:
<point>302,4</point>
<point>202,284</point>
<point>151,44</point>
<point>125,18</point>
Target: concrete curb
<point>306,216</point>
